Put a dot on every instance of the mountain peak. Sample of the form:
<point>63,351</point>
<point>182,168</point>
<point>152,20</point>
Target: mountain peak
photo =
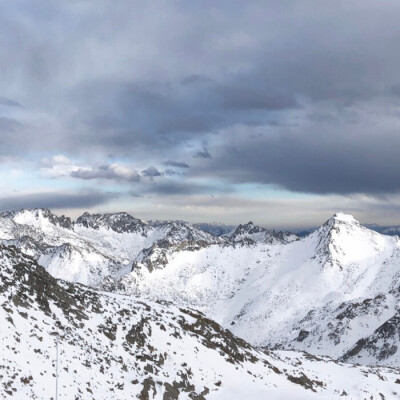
<point>37,216</point>
<point>340,239</point>
<point>258,234</point>
<point>248,228</point>
<point>343,217</point>
<point>118,222</point>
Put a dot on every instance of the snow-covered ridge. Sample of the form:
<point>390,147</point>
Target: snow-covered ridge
<point>95,246</point>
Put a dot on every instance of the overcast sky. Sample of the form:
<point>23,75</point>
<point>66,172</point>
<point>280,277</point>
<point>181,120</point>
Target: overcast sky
<point>281,112</point>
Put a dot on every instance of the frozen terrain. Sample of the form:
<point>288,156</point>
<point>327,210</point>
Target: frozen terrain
<point>334,292</point>
<point>323,293</point>
<point>118,347</point>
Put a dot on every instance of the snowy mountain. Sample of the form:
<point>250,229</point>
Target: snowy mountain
<point>100,246</point>
<point>322,294</point>
<point>95,246</point>
<point>118,347</point>
<point>334,292</point>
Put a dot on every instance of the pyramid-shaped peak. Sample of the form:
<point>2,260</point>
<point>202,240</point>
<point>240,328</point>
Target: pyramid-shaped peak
<point>334,223</point>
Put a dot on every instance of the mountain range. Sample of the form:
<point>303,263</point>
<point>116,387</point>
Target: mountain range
<point>250,311</point>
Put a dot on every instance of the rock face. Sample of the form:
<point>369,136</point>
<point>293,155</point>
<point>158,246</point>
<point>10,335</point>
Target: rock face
<point>119,347</point>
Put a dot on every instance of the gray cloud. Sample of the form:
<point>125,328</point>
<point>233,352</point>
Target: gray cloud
<point>151,172</point>
<point>8,125</point>
<point>176,164</point>
<point>202,154</point>
<point>350,160</point>
<point>113,172</point>
<point>245,97</point>
<point>187,77</point>
<point>9,102</point>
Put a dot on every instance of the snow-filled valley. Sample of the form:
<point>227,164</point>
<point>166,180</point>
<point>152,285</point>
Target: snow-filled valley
<point>333,294</point>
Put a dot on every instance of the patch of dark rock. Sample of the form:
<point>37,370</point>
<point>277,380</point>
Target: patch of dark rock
<point>304,381</point>
<point>303,334</point>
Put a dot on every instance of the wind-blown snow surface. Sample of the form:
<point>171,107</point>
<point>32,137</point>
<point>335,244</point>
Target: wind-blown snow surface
<point>321,294</point>
<point>118,347</point>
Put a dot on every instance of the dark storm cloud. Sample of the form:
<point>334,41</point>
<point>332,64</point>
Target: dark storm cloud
<point>344,162</point>
<point>156,81</point>
<point>55,200</point>
<point>176,164</point>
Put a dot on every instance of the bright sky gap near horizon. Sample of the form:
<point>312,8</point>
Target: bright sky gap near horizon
<point>280,112</point>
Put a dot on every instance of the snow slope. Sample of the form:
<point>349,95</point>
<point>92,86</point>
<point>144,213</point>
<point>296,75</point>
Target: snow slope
<point>119,347</point>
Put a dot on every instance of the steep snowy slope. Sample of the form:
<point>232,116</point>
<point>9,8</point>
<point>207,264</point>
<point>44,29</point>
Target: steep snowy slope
<point>321,294</point>
<point>116,347</point>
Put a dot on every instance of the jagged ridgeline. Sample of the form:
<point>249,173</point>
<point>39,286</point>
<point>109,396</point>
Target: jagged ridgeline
<point>118,347</point>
